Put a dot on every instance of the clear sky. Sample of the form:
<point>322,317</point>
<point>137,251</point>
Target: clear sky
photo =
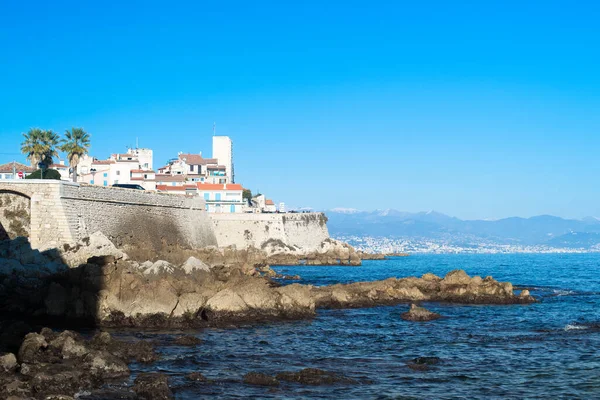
<point>478,109</point>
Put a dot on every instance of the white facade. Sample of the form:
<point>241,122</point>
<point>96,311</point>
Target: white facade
<point>223,152</point>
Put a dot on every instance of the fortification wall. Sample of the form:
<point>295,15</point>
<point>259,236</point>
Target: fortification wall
<point>306,230</point>
<point>64,212</point>
<point>132,217</point>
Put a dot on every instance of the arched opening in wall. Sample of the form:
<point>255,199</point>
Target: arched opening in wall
<point>15,215</point>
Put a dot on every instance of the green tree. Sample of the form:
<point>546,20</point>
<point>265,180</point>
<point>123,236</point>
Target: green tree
<point>40,146</point>
<point>76,145</point>
<point>48,174</point>
<point>247,194</point>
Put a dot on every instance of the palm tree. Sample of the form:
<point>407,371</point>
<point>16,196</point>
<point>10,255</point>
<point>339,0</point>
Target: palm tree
<point>50,141</point>
<point>39,146</point>
<point>76,145</point>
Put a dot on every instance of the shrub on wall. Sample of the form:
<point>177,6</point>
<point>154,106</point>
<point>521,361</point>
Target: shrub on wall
<point>48,174</point>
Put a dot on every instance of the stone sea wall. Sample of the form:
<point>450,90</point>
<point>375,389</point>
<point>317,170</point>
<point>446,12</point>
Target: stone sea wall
<point>304,230</point>
<point>143,219</point>
<point>64,212</point>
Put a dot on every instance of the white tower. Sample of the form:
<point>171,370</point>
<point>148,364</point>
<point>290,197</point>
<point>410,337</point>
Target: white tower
<point>223,152</point>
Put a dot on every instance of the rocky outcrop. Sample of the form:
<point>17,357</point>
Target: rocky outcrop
<point>214,287</point>
<point>455,287</point>
<point>419,314</point>
<point>61,364</point>
<point>329,252</point>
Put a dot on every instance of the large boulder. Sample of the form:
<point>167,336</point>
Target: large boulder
<point>96,246</point>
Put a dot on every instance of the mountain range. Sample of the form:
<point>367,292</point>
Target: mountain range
<point>540,230</point>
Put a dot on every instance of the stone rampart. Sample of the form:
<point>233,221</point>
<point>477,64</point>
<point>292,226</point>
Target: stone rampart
<point>305,230</point>
<point>64,212</point>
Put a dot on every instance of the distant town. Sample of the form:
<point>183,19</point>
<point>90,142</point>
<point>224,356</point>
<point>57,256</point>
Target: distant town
<point>388,245</point>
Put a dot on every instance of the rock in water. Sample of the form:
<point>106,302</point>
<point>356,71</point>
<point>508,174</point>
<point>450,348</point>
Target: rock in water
<point>256,378</point>
<point>152,386</point>
<point>187,340</point>
<point>313,376</point>
<point>419,314</point>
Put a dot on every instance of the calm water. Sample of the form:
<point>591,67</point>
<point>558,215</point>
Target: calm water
<point>550,349</point>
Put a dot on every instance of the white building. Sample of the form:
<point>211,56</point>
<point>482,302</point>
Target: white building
<point>12,170</point>
<point>219,198</point>
<point>133,167</point>
<point>223,152</point>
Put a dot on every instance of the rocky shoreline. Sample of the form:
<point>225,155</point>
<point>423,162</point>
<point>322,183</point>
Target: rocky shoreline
<point>95,285</point>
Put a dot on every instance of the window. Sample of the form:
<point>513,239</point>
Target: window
<point>206,206</point>
<point>232,208</point>
<point>145,176</point>
<point>218,196</point>
<point>145,165</point>
<point>118,173</point>
<point>105,175</point>
<point>92,182</point>
<point>206,196</point>
<point>201,179</point>
<point>191,168</point>
<point>105,183</point>
<point>116,182</point>
<point>173,183</point>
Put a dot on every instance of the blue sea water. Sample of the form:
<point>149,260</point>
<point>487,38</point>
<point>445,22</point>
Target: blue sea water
<point>546,350</point>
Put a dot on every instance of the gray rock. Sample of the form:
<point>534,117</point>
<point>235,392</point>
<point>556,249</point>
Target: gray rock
<point>8,362</point>
<point>420,314</point>
<point>193,264</point>
<point>31,347</point>
<point>160,267</point>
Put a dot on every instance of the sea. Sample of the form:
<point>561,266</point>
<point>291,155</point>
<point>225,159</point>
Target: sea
<point>550,349</point>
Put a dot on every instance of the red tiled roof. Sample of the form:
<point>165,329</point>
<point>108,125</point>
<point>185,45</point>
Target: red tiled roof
<point>142,170</point>
<point>137,179</point>
<point>54,166</point>
<point>8,167</point>
<point>218,186</point>
<point>103,162</point>
<point>196,159</point>
<point>216,167</point>
<point>269,203</point>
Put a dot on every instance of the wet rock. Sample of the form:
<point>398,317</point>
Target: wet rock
<point>8,363</point>
<point>313,376</point>
<point>423,363</point>
<point>419,314</point>
<point>152,386</point>
<point>72,349</point>
<point>196,376</point>
<point>53,381</point>
<point>187,340</point>
<point>103,365</point>
<point>256,378</point>
<point>32,347</point>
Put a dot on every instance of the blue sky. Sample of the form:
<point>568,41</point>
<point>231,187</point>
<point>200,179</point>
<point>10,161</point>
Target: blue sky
<point>475,109</point>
